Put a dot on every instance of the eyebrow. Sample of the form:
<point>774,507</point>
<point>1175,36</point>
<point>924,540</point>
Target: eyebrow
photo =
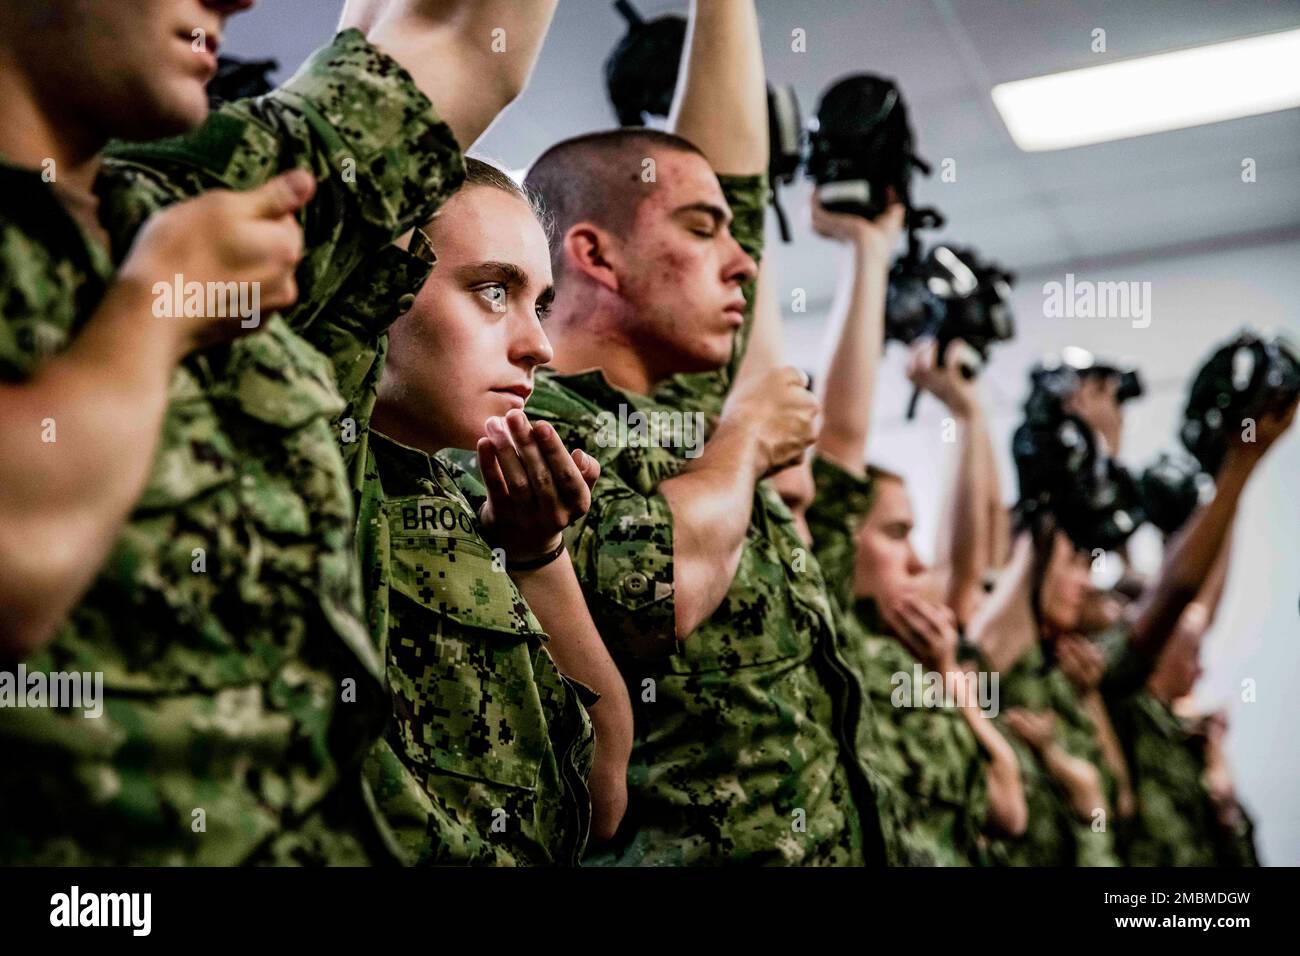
<point>720,216</point>
<point>507,273</point>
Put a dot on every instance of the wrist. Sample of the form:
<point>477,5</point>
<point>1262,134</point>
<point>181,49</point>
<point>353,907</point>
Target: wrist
<point>738,441</point>
<point>870,248</point>
<point>962,409</point>
<point>518,560</point>
<point>131,296</point>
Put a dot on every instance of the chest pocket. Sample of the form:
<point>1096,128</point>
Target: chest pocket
<point>775,606</point>
<point>462,648</point>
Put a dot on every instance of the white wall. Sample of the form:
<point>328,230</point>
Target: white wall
<point>1197,302</point>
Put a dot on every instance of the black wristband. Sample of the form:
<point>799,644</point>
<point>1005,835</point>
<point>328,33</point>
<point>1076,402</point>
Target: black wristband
<point>534,563</point>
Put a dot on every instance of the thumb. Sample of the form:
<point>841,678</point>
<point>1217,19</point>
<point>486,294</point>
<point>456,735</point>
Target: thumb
<point>285,194</point>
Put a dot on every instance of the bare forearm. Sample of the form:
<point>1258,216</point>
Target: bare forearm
<point>100,404</point>
<point>1111,751</point>
<point>361,14</point>
<point>1080,780</point>
<point>764,349</point>
<point>1008,812</point>
<point>968,532</point>
<point>470,57</point>
<point>711,501</point>
<point>555,597</point>
<point>721,99</point>
<point>1189,560</point>
<point>999,535</point>
<point>850,380</point>
<point>1211,592</point>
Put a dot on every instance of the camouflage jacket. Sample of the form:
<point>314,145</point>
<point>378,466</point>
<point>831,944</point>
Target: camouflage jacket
<point>1175,823</point>
<point>1055,837</point>
<point>933,765</point>
<point>488,756</point>
<point>353,330</point>
<point>241,688</point>
<point>744,742</point>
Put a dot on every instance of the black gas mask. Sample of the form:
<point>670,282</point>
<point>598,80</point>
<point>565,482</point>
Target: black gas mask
<point>861,153</point>
<point>1244,378</point>
<point>948,293</point>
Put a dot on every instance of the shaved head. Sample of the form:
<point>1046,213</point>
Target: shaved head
<point>598,178</point>
<point>647,272</point>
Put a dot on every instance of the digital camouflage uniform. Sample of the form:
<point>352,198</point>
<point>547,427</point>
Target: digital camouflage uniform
<point>353,329</point>
<point>1054,836</point>
<point>487,759</point>
<point>743,750</point>
<point>933,765</point>
<point>238,674</point>
<point>1175,823</point>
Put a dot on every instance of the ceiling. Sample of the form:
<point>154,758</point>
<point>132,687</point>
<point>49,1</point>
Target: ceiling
<point>1035,212</point>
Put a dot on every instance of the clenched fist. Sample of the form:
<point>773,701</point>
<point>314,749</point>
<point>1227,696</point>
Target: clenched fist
<point>779,412</point>
<point>225,237</point>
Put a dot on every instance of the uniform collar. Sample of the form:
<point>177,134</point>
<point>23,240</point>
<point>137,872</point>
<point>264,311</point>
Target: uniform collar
<point>592,385</point>
<point>411,462</point>
<point>25,192</point>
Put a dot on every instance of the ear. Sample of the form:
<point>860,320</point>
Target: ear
<point>592,252</point>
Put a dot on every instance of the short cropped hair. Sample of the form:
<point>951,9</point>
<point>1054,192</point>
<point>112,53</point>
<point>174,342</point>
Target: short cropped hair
<point>597,178</point>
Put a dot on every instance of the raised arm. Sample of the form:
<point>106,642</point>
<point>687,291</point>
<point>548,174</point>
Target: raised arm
<point>1195,551</point>
<point>963,542</point>
<point>471,58</point>
<point>857,330</point>
<point>720,103</point>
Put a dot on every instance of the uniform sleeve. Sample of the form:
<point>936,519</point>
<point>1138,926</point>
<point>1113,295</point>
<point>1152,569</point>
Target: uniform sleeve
<point>839,503</point>
<point>383,160</point>
<point>707,391</point>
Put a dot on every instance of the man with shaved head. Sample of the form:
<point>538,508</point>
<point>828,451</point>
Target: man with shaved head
<point>717,617</point>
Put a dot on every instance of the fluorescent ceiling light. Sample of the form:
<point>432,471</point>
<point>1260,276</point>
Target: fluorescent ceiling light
<point>1151,94</point>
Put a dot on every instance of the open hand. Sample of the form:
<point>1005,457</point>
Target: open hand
<point>535,487</point>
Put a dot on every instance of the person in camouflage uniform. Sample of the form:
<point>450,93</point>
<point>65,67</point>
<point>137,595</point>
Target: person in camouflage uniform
<point>1022,644</point>
<point>936,785</point>
<point>487,761</point>
<point>488,757</point>
<point>718,619</point>
<point>953,776</point>
<point>241,687</point>
<point>1186,811</point>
